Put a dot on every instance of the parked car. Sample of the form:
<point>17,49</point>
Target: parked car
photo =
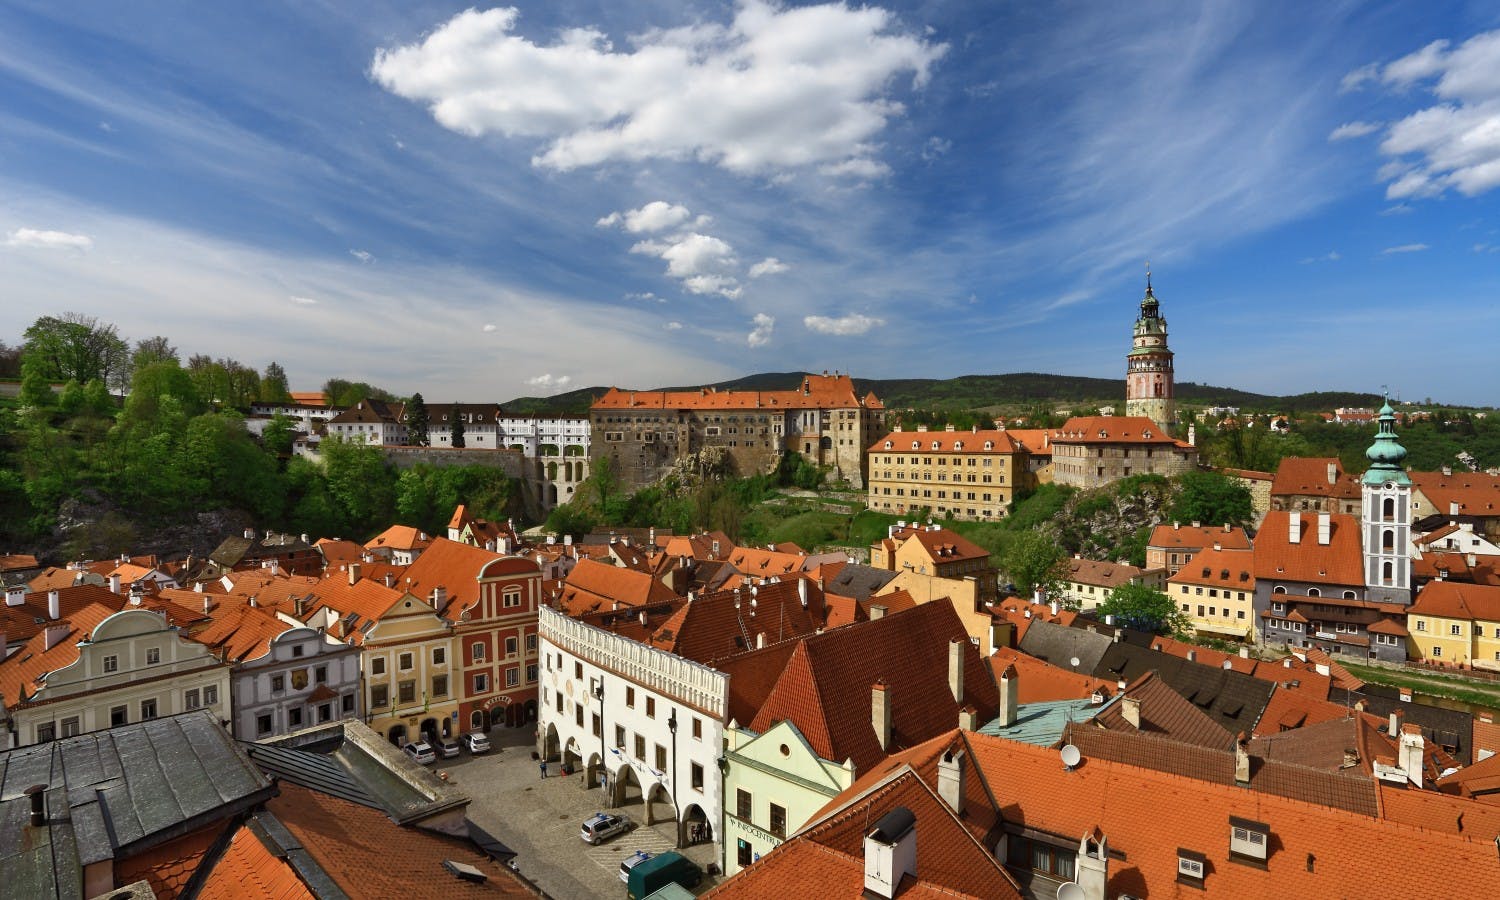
<point>448,748</point>
<point>476,743</point>
<point>602,826</point>
<point>648,877</point>
<point>420,751</point>
<point>630,862</point>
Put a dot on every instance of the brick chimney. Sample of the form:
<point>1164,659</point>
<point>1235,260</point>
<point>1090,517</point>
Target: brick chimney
<point>890,853</point>
<point>1130,708</point>
<point>354,571</point>
<point>951,777</point>
<point>956,669</point>
<point>880,714</point>
<point>1009,686</point>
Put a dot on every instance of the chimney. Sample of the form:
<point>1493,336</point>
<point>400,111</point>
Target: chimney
<point>1294,527</point>
<point>208,605</point>
<point>439,597</point>
<point>567,540</point>
<point>15,596</point>
<point>38,795</point>
<point>249,534</point>
<point>1009,696</point>
<point>114,584</point>
<point>1325,528</point>
<point>354,571</point>
<point>956,669</point>
<point>890,853</point>
<point>1241,758</point>
<point>1192,656</point>
<point>877,611</point>
<point>1244,653</point>
<point>951,779</point>
<point>642,618</point>
<point>1412,753</point>
<point>1398,718</point>
<point>54,634</point>
<point>1333,473</point>
<point>54,606</point>
<point>1452,507</point>
<point>802,592</point>
<point>880,714</point>
<point>1351,758</point>
<point>1130,708</point>
<point>1093,866</point>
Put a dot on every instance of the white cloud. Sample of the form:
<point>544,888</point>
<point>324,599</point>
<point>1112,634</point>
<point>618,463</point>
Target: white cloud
<point>673,326</point>
<point>1359,77</point>
<point>548,383</point>
<point>1404,248</point>
<point>1351,130</point>
<point>775,89</point>
<point>1455,143</point>
<point>645,297</point>
<point>48,240</point>
<point>768,266</point>
<point>658,215</point>
<point>1330,256</point>
<point>489,328</point>
<point>851,324</point>
<point>106,127</point>
<point>363,256</point>
<point>760,335</point>
<point>703,263</point>
<point>304,301</point>
<point>936,147</point>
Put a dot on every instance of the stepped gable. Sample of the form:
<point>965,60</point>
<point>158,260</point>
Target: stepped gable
<point>825,690</point>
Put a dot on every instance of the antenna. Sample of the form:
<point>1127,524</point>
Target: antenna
<point>1070,891</point>
<point>1071,757</point>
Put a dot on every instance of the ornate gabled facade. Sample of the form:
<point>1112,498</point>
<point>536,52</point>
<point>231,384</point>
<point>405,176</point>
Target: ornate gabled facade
<point>1148,368</point>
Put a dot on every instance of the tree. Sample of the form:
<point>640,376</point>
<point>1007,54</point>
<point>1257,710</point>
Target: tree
<point>1035,562</point>
<point>1144,609</point>
<point>1211,498</point>
<point>279,434</point>
<point>273,385</point>
<point>10,361</point>
<point>78,347</point>
<point>36,390</point>
<point>418,421</point>
<point>152,350</point>
<point>456,428</point>
<point>339,392</point>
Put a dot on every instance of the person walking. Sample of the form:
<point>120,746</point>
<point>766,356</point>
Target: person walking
<point>544,768</point>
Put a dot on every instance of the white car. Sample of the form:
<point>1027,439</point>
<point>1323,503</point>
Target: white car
<point>448,748</point>
<point>476,743</point>
<point>602,826</point>
<point>420,752</point>
<point>630,862</point>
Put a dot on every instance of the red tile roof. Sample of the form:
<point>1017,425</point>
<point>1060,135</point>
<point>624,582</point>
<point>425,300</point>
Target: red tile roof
<point>241,632</point>
<point>1097,572</point>
<point>816,392</point>
<point>16,562</point>
<point>1307,476</point>
<point>1452,600</point>
<point>1040,682</point>
<point>1339,562</point>
<point>1229,569</point>
<point>1110,430</point>
<point>972,441</point>
<point>594,585</point>
<point>1196,537</point>
<point>168,867</point>
<point>249,871</point>
<point>723,624</point>
<point>1165,713</point>
<point>453,566</point>
<point>399,537</point>
<point>21,623</point>
<point>20,671</point>
<point>941,544</point>
<point>1476,493</point>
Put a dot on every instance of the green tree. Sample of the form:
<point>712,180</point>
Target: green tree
<point>456,428</point>
<point>1211,498</point>
<point>273,385</point>
<point>36,388</point>
<point>361,485</point>
<point>78,347</point>
<point>418,421</point>
<point>152,350</point>
<point>570,518</point>
<point>279,434</point>
<point>1035,562</point>
<point>1144,609</point>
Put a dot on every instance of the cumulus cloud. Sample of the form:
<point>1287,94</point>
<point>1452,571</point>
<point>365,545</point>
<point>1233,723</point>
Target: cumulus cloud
<point>489,328</point>
<point>1404,248</point>
<point>363,256</point>
<point>1351,130</point>
<point>852,324</point>
<point>760,335</point>
<point>774,89</point>
<point>48,240</point>
<point>703,263</point>
<point>1454,143</point>
<point>658,215</point>
<point>548,383</point>
<point>768,266</point>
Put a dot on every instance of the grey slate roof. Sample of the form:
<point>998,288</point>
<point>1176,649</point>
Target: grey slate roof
<point>112,794</point>
<point>1059,645</point>
<point>1234,699</point>
<point>859,582</point>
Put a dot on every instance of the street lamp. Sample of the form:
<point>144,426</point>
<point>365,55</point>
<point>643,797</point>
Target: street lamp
<point>599,695</point>
<point>676,801</point>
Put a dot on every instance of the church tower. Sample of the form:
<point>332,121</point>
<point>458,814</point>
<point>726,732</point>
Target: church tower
<point>1386,516</point>
<point>1148,369</point>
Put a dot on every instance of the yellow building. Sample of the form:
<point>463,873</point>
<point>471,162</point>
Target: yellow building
<point>1455,624</point>
<point>934,550</point>
<point>409,669</point>
<point>1216,590</point>
<point>969,475</point>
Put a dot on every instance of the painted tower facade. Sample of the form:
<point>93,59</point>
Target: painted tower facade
<point>1148,370</point>
<point>1386,516</point>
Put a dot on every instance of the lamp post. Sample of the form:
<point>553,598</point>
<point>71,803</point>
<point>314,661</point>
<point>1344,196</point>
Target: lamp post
<point>672,727</point>
<point>599,695</point>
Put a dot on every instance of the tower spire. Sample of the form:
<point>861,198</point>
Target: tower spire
<point>1386,454</point>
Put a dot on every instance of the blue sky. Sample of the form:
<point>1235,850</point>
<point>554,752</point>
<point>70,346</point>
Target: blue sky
<point>484,203</point>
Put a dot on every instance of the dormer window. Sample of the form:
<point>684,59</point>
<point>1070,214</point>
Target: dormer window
<point>937,445</point>
<point>1248,840</point>
<point>888,445</point>
<point>1190,867</point>
<point>916,445</point>
<point>1146,435</point>
<point>989,445</point>
<point>958,445</point>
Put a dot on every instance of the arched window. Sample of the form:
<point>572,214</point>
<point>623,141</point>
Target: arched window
<point>989,445</point>
<point>1388,539</point>
<point>959,445</point>
<point>1386,573</point>
<point>1314,592</point>
<point>1348,595</point>
<point>916,445</point>
<point>1278,589</point>
<point>888,445</point>
<point>1388,508</point>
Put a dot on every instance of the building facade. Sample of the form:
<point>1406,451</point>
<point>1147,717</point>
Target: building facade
<point>497,644</point>
<point>1148,367</point>
<point>409,670</point>
<point>304,677</point>
<point>1216,591</point>
<point>1092,451</point>
<point>970,475</point>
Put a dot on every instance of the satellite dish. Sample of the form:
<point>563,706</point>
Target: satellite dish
<point>1070,891</point>
<point>1071,756</point>
<point>1074,662</point>
<point>1227,665</point>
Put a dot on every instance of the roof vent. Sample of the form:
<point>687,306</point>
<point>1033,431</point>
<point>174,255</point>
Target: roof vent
<point>464,871</point>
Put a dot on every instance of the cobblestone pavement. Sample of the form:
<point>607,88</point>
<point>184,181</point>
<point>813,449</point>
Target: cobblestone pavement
<point>539,819</point>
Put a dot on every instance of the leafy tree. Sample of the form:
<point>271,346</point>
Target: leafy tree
<point>279,434</point>
<point>97,400</point>
<point>418,421</point>
<point>1211,498</point>
<point>456,428</point>
<point>1144,609</point>
<point>10,361</point>
<point>79,347</point>
<point>70,399</point>
<point>273,385</point>
<point>339,392</point>
<point>152,350</point>
<point>570,518</point>
<point>1035,562</point>
<point>361,486</point>
<point>36,389</point>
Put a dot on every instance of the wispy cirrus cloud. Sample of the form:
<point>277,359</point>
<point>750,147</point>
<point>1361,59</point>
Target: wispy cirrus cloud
<point>1351,130</point>
<point>48,240</point>
<point>1404,248</point>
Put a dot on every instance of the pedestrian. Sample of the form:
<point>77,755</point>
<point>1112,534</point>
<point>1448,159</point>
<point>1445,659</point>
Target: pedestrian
<point>544,768</point>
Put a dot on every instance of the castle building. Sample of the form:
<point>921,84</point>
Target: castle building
<point>1148,369</point>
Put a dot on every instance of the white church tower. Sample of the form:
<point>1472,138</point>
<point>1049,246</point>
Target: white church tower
<point>1386,516</point>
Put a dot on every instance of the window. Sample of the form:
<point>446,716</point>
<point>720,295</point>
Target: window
<point>148,709</point>
<point>380,696</point>
<point>377,665</point>
<point>297,650</point>
<point>512,677</point>
<point>347,703</point>
<point>743,806</point>
<point>69,726</point>
<point>211,695</point>
<point>697,776</point>
<point>1455,629</point>
<point>320,674</point>
<point>481,683</point>
<point>698,725</point>
<point>404,662</point>
<point>325,712</point>
<point>511,597</point>
<point>778,821</point>
<point>45,732</point>
<point>650,707</point>
<point>440,685</point>
<point>1190,867</point>
<point>1437,651</point>
<point>530,643</point>
<point>111,663</point>
<point>1026,854</point>
<point>476,652</point>
<point>640,748</point>
<point>531,673</point>
<point>1247,839</point>
<point>619,736</point>
<point>406,692</point>
<point>1421,625</point>
<point>439,656</point>
<point>278,683</point>
<point>153,656</point>
<point>118,715</point>
<point>743,854</point>
<point>294,717</point>
<point>190,699</point>
<point>578,673</point>
<point>661,758</point>
<point>629,697</point>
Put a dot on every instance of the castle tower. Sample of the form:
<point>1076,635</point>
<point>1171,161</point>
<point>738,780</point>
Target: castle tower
<point>1148,368</point>
<point>1386,516</point>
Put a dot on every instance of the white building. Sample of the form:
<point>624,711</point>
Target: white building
<point>561,442</point>
<point>655,719</point>
<point>300,677</point>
